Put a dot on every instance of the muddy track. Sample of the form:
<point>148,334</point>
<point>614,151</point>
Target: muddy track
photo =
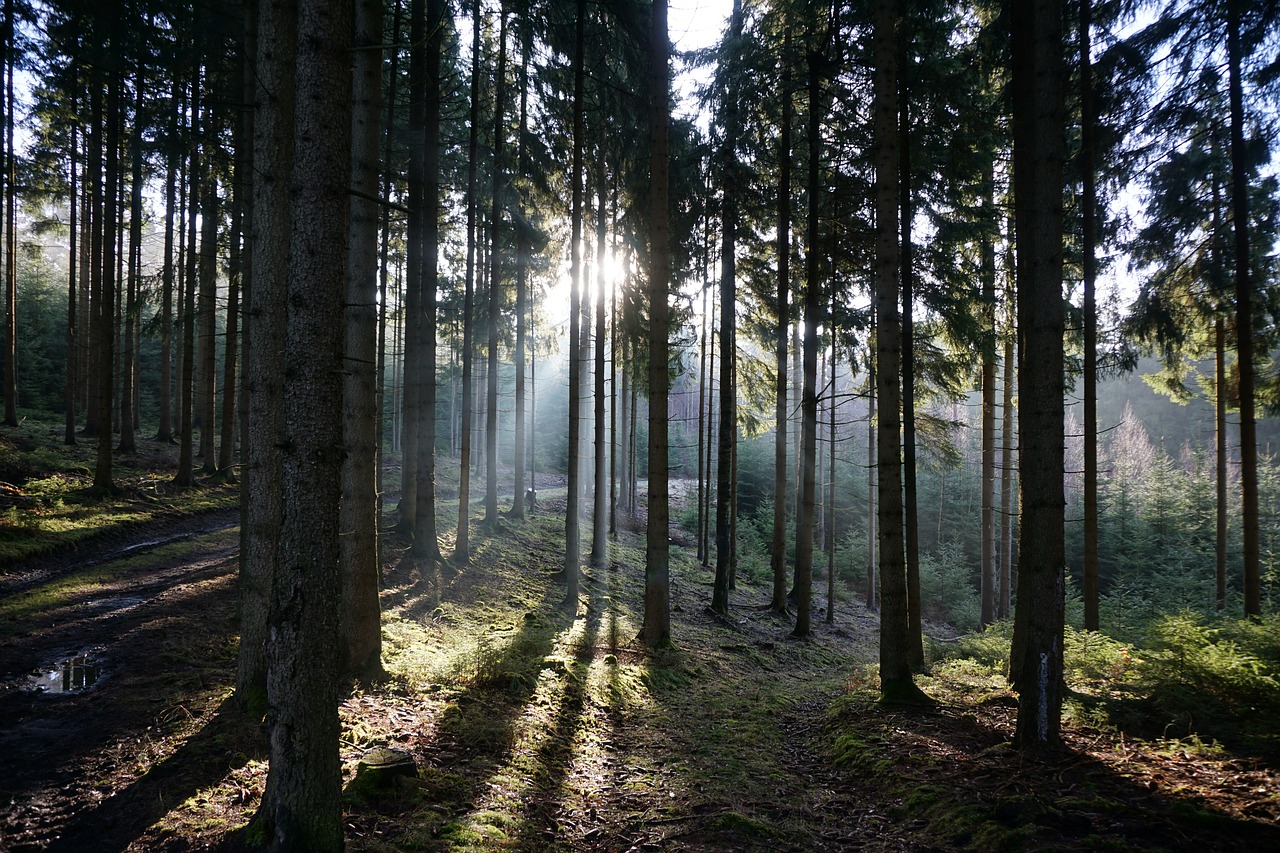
<point>151,635</point>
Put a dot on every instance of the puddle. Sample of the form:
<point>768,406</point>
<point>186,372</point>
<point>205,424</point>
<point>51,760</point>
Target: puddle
<point>73,675</point>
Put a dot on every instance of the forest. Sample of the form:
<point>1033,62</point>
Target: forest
<point>549,425</point>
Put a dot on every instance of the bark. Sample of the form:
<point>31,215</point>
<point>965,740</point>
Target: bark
<point>425,539</point>
<point>302,800</point>
<point>523,249</point>
<point>1244,322</point>
<point>1089,237</point>
<point>495,278</point>
<point>656,631</point>
<point>462,542</point>
<point>728,336</point>
<point>895,657</point>
<point>1220,463</point>
<point>128,354</point>
<point>572,529</point>
<point>165,431</point>
<point>872,597</point>
<point>206,314</point>
<point>910,504</point>
<point>73,204</point>
<point>274,35</point>
<point>185,475</point>
<point>361,641</point>
<point>988,572</point>
<point>1004,602</point>
<point>9,227</point>
<point>1037,84</point>
<point>808,395</point>
<point>104,327</point>
<point>600,503</point>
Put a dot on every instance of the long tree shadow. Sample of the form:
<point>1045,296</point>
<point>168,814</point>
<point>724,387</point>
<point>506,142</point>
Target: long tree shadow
<point>160,659</point>
<point>969,788</point>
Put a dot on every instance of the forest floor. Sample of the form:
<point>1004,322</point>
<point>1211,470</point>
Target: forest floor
<point>540,726</point>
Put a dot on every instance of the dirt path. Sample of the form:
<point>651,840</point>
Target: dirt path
<point>150,621</point>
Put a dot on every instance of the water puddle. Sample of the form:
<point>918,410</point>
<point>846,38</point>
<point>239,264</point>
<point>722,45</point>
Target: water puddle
<point>73,675</point>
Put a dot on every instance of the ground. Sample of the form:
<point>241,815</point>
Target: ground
<point>540,725</point>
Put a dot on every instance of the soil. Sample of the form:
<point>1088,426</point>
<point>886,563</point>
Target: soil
<point>733,753</point>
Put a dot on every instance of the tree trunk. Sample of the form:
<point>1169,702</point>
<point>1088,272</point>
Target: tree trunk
<point>1004,602</point>
<point>128,354</point>
<point>910,504</point>
<point>778,548</point>
<point>600,504</point>
<point>523,249</point>
<point>426,545</point>
<point>1220,463</point>
<point>872,598</point>
<point>462,541</point>
<point>656,631</point>
<point>273,35</point>
<point>1089,237</point>
<point>1035,661</point>
<point>988,573</point>
<point>9,226</point>
<point>1244,322</point>
<point>185,475</point>
<point>896,683</point>
<point>207,314</point>
<point>105,333</point>
<point>73,231</point>
<point>573,510</point>
<point>495,278</point>
<point>812,317</point>
<point>728,335</point>
<point>360,650</point>
<point>303,794</point>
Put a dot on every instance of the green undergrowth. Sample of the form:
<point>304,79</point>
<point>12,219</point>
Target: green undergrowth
<point>47,501</point>
<point>1191,679</point>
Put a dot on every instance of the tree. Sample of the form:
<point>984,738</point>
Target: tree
<point>896,682</point>
<point>728,316</point>
<point>1037,74</point>
<point>300,805</point>
<point>361,624</point>
<point>656,631</point>
<point>274,33</point>
<point>495,276</point>
<point>778,552</point>
<point>573,510</point>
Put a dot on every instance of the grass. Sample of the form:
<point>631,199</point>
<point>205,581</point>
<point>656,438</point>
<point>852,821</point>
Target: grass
<point>46,499</point>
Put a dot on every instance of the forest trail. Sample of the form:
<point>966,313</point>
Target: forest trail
<point>537,725</point>
<point>533,730</point>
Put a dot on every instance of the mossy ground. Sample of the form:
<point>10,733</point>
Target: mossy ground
<point>537,726</point>
<point>46,499</point>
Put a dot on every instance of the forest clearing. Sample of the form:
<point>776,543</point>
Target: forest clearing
<point>532,728</point>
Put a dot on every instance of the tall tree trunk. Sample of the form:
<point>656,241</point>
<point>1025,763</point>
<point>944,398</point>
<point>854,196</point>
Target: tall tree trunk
<point>1244,321</point>
<point>812,317</point>
<point>523,249</point>
<point>9,226</point>
<point>656,630</point>
<point>1220,463</point>
<point>185,475</point>
<point>426,544</point>
<point>73,231</point>
<point>1089,238</point>
<point>304,785</point>
<point>105,333</point>
<point>1035,662</point>
<point>831,480</point>
<point>988,573</point>
<point>462,542</point>
<point>360,649</point>
<point>207,315</point>
<point>272,34</point>
<point>728,333</point>
<point>1004,600</point>
<point>896,682</point>
<point>129,354</point>
<point>778,547</point>
<point>495,277</point>
<point>600,505</point>
<point>573,511</point>
<point>910,503</point>
<point>872,597</point>
<point>164,433</point>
